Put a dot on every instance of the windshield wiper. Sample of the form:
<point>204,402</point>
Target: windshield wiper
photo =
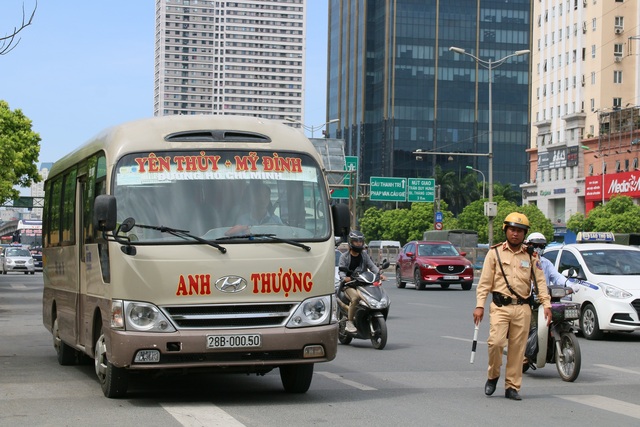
<point>269,236</point>
<point>183,234</point>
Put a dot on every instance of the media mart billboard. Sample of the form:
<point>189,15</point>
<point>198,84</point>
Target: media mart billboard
<point>623,183</point>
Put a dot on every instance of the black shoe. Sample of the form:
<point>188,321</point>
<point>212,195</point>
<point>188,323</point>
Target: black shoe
<point>490,386</point>
<point>512,393</point>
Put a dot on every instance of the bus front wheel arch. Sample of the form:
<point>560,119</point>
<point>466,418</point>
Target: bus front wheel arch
<point>113,380</point>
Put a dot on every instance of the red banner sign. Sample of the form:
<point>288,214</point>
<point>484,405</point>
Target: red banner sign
<point>623,183</point>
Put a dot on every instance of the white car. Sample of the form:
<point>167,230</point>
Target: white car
<point>17,259</point>
<point>609,275</point>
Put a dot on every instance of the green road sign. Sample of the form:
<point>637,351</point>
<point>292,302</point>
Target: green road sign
<point>385,189</point>
<point>350,164</point>
<point>421,190</point>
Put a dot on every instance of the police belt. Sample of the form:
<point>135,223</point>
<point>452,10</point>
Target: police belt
<point>500,300</point>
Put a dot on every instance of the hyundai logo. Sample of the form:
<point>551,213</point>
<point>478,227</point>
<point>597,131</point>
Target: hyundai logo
<point>231,284</point>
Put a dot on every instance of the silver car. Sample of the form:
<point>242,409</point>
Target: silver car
<point>17,259</point>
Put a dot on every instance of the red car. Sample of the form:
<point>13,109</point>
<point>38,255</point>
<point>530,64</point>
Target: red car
<point>433,263</point>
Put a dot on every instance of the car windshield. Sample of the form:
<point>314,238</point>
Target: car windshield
<point>221,194</point>
<point>437,250</point>
<point>17,252</point>
<point>612,261</point>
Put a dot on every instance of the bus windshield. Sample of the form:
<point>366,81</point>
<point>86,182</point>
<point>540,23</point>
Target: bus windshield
<point>222,195</point>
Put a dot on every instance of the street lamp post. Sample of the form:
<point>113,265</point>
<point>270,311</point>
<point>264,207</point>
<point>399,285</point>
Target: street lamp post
<point>312,129</point>
<point>483,179</point>
<point>490,65</point>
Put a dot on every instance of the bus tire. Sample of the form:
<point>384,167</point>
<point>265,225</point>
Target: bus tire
<point>296,378</point>
<point>67,355</point>
<point>114,381</point>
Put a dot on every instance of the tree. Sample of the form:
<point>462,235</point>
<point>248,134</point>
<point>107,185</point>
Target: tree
<point>403,224</point>
<point>19,151</point>
<point>472,218</point>
<point>9,42</point>
<point>620,215</point>
<point>508,192</point>
<point>458,192</point>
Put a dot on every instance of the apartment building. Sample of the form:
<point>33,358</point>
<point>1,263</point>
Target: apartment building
<point>243,57</point>
<point>585,93</point>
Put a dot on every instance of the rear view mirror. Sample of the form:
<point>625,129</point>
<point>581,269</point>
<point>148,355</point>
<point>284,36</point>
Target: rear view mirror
<point>385,264</point>
<point>341,220</point>
<point>105,208</point>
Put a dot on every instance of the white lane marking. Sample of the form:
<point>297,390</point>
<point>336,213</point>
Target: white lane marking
<point>615,368</point>
<point>19,286</point>
<point>605,403</point>
<point>342,380</point>
<point>200,415</point>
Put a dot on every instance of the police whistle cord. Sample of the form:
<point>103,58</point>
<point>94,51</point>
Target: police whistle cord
<point>475,343</point>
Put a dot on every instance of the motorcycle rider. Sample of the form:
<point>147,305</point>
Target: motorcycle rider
<point>538,242</point>
<point>355,259</point>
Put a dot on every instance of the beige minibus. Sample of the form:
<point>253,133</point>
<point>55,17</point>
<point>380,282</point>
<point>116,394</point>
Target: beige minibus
<point>184,243</point>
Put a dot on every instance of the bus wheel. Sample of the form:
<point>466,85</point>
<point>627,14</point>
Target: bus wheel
<point>114,381</point>
<point>296,378</point>
<point>66,354</point>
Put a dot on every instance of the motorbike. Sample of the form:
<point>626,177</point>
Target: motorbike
<point>557,342</point>
<point>371,314</point>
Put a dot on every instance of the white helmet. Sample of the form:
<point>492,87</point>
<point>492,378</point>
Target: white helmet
<point>537,241</point>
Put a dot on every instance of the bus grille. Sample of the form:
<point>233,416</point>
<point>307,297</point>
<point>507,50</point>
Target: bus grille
<point>229,316</point>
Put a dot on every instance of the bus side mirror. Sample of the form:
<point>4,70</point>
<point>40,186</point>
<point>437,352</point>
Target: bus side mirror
<point>104,213</point>
<point>341,220</point>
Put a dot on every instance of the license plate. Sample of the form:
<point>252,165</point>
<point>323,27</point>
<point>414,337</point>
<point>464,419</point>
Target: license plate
<point>450,277</point>
<point>234,341</point>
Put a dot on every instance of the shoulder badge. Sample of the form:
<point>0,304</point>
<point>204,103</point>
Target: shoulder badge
<point>538,265</point>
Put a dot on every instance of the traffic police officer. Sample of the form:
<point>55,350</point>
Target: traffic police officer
<point>506,276</point>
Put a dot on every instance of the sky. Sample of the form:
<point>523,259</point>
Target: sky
<point>85,65</point>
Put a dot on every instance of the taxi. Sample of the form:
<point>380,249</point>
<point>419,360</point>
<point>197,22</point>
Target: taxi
<point>609,279</point>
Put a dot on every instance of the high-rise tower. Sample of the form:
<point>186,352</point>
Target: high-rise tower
<point>244,57</point>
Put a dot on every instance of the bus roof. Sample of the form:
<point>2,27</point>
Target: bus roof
<point>189,132</point>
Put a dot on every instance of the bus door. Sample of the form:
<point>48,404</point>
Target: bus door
<point>83,319</point>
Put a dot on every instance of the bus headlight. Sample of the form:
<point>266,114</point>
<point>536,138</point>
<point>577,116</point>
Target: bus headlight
<point>142,316</point>
<point>312,312</point>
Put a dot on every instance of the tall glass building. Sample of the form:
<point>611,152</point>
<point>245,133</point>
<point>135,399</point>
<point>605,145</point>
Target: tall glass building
<point>396,87</point>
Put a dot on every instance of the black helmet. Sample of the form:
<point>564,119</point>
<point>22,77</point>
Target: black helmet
<point>356,236</point>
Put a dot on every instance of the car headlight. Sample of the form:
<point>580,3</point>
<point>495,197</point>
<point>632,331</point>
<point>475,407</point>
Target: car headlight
<point>614,292</point>
<point>313,312</point>
<point>427,265</point>
<point>139,316</point>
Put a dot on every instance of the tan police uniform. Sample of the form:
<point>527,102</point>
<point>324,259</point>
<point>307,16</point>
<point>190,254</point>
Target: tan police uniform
<point>513,319</point>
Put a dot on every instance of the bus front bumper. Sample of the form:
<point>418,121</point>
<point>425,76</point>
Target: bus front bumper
<point>188,349</point>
